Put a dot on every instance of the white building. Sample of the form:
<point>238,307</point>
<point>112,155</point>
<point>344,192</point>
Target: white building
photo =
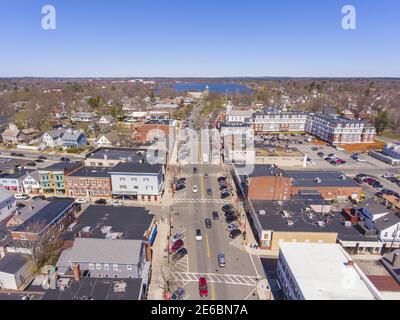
<point>322,271</point>
<point>52,139</point>
<point>106,121</point>
<point>138,181</point>
<point>239,115</point>
<point>83,117</point>
<point>8,204</point>
<point>31,183</point>
<point>107,140</point>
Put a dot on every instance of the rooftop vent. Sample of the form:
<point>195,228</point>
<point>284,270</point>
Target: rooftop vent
<point>106,229</point>
<point>86,229</point>
<point>318,180</point>
<point>321,224</point>
<point>120,287</point>
<point>290,223</point>
<point>261,212</point>
<point>286,214</point>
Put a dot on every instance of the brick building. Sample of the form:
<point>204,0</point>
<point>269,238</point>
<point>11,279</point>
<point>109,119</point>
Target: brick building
<point>89,182</point>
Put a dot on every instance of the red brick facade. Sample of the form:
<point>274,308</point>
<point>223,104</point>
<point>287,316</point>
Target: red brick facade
<point>97,187</point>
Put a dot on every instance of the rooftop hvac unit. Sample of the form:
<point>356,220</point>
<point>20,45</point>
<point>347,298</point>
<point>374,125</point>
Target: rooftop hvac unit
<point>86,229</point>
<point>285,214</point>
<point>321,224</point>
<point>318,180</point>
<point>347,224</point>
<point>290,223</point>
<point>120,287</point>
<point>261,212</point>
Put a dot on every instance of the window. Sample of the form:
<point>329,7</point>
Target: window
<point>91,266</point>
<point>146,179</point>
<point>123,187</point>
<point>121,179</point>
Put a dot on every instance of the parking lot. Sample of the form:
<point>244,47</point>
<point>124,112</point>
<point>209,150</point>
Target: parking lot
<point>238,278</point>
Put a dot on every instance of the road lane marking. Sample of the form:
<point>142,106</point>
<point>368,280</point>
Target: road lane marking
<point>250,294</point>
<point>212,291</point>
<point>254,265</point>
<point>208,247</point>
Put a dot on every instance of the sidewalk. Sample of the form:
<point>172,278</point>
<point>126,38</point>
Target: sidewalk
<point>160,252</point>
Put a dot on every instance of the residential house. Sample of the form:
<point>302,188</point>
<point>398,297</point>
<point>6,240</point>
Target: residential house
<point>91,182</point>
<point>13,135</point>
<point>83,117</point>
<point>14,272</point>
<point>53,138</point>
<point>138,181</point>
<point>52,178</point>
<point>74,139</point>
<point>110,139</point>
<point>8,205</point>
<point>106,121</point>
<point>31,183</point>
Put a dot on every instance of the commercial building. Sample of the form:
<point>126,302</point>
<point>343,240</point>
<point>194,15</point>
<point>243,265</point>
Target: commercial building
<point>156,129</point>
<point>13,181</point>
<point>138,181</point>
<point>390,154</point>
<point>55,215</point>
<point>305,218</point>
<point>52,178</point>
<point>91,182</point>
<point>271,183</point>
<point>109,157</point>
<point>280,156</point>
<point>314,271</point>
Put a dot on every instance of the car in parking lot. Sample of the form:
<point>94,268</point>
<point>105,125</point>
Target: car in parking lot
<point>321,154</point>
<point>203,290</point>
<point>194,170</point>
<point>195,189</point>
<point>21,196</point>
<point>65,159</point>
<point>177,245</point>
<point>117,203</point>
<point>42,158</point>
<point>101,201</point>
<point>179,186</point>
<point>228,207</point>
<point>39,197</point>
<point>39,161</point>
<point>81,200</point>
<point>235,233</point>
<point>215,215</point>
<point>179,254</point>
<point>206,176</point>
<point>221,260</point>
<point>221,179</point>
<point>314,149</point>
<point>176,237</point>
<point>209,191</point>
<point>178,294</point>
<point>231,219</point>
<point>207,223</point>
<point>358,180</point>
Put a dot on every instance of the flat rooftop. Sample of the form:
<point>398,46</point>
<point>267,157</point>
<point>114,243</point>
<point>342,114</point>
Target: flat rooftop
<point>132,222</point>
<point>328,179</point>
<point>123,154</point>
<point>97,172</point>
<point>321,272</point>
<point>98,289</point>
<point>304,219</point>
<point>60,166</point>
<point>134,167</point>
<point>277,151</point>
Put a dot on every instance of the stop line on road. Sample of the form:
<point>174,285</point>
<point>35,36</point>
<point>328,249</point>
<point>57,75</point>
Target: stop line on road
<point>217,278</point>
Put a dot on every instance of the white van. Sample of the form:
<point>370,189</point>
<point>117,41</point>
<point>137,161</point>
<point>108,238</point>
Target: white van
<point>21,196</point>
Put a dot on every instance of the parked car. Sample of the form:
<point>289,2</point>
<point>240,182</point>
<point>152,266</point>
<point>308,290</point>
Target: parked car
<point>65,159</point>
<point>179,254</point>
<point>178,294</point>
<point>81,201</point>
<point>225,194</point>
<point>203,290</point>
<point>314,149</point>
<point>101,201</point>
<point>231,227</point>
<point>39,197</point>
<point>221,179</point>
<point>39,161</point>
<point>177,245</point>
<point>231,219</point>
<point>31,164</point>
<point>194,170</point>
<point>228,207</point>
<point>209,191</point>
<point>221,260</point>
<point>42,157</point>
<point>199,237</point>
<point>13,154</point>
<point>358,180</point>
<point>21,196</point>
<point>176,237</point>
<point>195,189</point>
<point>206,176</point>
<point>117,203</point>
<point>235,233</point>
<point>208,223</point>
<point>215,215</point>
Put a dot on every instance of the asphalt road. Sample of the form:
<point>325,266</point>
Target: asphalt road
<point>235,281</point>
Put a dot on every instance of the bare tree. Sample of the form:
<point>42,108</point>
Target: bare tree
<point>43,250</point>
<point>166,279</point>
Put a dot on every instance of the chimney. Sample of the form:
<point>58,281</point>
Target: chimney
<point>76,270</point>
<point>395,259</point>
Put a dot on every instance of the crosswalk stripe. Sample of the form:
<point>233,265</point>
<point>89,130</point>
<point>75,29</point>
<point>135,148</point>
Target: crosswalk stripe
<point>218,278</point>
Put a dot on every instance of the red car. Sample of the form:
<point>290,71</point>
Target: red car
<point>203,291</point>
<point>177,245</point>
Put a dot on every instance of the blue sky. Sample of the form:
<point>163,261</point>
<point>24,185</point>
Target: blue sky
<point>209,38</point>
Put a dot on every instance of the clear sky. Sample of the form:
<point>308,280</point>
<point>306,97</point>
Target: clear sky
<point>209,38</point>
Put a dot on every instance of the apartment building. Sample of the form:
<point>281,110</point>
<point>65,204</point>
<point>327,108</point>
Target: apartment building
<point>327,127</point>
<point>138,181</point>
<point>110,157</point>
<point>91,182</point>
<point>52,178</point>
